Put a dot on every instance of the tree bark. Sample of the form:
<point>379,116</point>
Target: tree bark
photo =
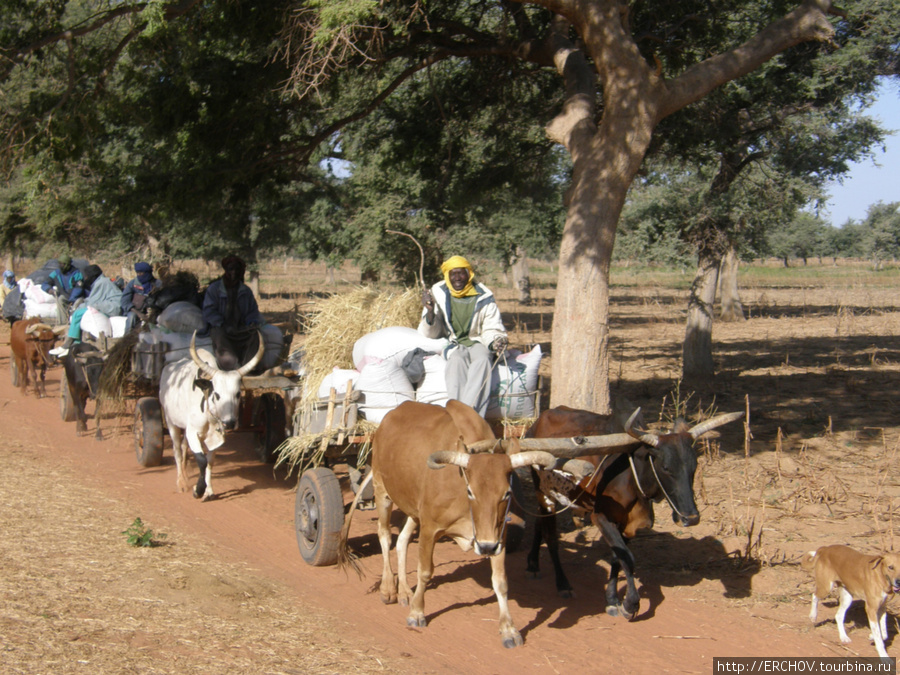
<point>521,276</point>
<point>729,294</point>
<point>697,357</point>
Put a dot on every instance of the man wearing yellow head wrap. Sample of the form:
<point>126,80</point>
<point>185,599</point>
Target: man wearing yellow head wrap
<point>466,313</point>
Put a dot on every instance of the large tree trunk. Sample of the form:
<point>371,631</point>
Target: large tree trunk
<point>697,350</point>
<point>606,159</point>
<point>729,293</point>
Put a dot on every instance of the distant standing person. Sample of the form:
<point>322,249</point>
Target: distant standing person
<point>466,313</point>
<point>232,316</point>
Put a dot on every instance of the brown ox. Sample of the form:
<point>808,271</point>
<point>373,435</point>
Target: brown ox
<point>617,490</point>
<point>469,505</point>
<point>30,341</point>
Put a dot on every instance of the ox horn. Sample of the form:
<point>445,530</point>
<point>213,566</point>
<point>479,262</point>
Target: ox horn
<point>579,446</point>
<point>711,424</point>
<point>251,364</point>
<point>643,436</point>
<point>441,458</point>
<point>35,327</point>
<point>539,457</point>
<point>205,368</point>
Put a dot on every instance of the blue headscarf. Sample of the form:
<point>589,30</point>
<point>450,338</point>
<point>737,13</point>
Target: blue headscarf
<point>9,278</point>
<point>144,273</point>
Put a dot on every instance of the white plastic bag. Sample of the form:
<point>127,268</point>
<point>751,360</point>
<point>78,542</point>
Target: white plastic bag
<point>393,343</point>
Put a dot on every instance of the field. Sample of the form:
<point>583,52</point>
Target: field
<point>816,364</point>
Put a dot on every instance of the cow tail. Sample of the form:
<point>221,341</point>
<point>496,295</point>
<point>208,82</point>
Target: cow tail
<point>347,557</point>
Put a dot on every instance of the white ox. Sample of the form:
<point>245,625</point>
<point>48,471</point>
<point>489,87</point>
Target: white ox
<point>200,402</point>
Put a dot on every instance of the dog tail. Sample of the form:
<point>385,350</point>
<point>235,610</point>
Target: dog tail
<point>808,561</point>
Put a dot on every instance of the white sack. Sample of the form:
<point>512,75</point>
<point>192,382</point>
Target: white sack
<point>433,388</point>
<point>338,379</point>
<point>384,386</point>
<point>95,322</point>
<point>393,343</point>
<point>513,385</point>
<point>48,311</point>
<point>118,325</point>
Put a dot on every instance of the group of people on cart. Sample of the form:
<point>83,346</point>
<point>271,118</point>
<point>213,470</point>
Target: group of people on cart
<point>230,311</point>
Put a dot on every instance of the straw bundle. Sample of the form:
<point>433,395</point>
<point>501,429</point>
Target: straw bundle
<point>331,332</point>
<point>341,320</point>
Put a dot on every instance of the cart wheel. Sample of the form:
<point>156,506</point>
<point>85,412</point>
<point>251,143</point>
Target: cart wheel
<point>14,371</point>
<point>272,416</point>
<point>66,404</point>
<point>148,431</point>
<point>319,516</point>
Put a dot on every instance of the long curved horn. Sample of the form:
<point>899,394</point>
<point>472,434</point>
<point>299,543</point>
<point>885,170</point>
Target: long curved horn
<point>544,459</point>
<point>251,364</point>
<point>205,368</point>
<point>441,458</point>
<point>610,444</point>
<point>643,436</point>
<point>711,424</point>
<point>35,327</point>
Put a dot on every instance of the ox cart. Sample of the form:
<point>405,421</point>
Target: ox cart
<point>331,436</point>
<point>267,406</point>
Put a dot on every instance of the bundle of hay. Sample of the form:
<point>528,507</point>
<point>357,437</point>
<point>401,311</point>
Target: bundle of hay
<point>341,320</point>
<point>331,332</point>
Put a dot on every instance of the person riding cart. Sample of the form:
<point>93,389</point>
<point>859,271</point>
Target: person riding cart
<point>67,282</point>
<point>464,311</point>
<point>232,316</point>
<point>103,296</point>
<point>136,292</point>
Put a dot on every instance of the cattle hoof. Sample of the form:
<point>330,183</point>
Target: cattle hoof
<point>416,621</point>
<point>512,641</point>
<point>565,593</point>
<point>613,610</point>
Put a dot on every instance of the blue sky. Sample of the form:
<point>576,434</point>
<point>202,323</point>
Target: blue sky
<point>867,183</point>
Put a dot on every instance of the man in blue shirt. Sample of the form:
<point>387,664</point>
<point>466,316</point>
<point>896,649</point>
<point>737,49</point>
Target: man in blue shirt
<point>135,293</point>
<point>67,282</point>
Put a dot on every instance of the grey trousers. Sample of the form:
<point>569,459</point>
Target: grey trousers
<point>468,376</point>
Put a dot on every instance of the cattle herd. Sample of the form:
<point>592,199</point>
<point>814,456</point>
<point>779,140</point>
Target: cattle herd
<point>445,470</point>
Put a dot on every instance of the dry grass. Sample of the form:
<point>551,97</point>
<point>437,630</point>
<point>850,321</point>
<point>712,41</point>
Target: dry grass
<point>75,597</point>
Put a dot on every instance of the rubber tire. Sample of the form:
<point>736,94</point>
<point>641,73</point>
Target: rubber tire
<point>14,371</point>
<point>273,417</point>
<point>66,404</point>
<point>148,431</point>
<point>319,516</point>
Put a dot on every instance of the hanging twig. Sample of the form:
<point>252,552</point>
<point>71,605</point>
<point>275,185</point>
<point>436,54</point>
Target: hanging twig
<point>421,256</point>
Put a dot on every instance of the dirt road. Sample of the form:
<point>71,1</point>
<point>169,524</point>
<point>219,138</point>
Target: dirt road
<point>252,581</point>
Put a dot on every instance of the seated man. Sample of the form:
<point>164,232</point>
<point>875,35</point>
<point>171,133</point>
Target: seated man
<point>464,312</point>
<point>135,293</point>
<point>232,316</point>
<point>67,282</point>
<point>103,295</point>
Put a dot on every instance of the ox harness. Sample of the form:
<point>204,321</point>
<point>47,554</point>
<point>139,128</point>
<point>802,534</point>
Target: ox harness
<point>563,494</point>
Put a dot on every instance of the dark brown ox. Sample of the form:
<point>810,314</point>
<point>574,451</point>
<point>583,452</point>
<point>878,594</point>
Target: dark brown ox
<point>30,341</point>
<point>469,504</point>
<point>617,490</point>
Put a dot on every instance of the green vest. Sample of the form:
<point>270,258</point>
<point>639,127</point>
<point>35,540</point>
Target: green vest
<point>461,312</point>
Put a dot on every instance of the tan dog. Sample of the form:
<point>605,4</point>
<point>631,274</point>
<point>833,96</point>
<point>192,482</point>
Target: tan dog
<point>872,578</point>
